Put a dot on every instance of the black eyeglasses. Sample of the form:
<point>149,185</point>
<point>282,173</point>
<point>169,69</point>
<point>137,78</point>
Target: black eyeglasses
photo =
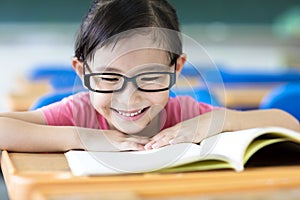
<point>113,82</point>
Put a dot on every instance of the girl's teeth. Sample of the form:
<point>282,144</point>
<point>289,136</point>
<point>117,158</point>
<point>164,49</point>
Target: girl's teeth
<point>130,114</point>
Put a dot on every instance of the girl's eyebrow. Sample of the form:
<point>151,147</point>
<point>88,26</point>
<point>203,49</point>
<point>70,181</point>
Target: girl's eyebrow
<point>106,68</point>
<point>152,67</point>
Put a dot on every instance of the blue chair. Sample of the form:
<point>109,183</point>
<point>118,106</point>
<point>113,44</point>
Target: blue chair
<point>60,77</point>
<point>285,97</point>
<point>49,98</point>
<point>248,77</point>
<point>46,71</point>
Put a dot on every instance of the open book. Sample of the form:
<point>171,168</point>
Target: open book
<point>225,150</point>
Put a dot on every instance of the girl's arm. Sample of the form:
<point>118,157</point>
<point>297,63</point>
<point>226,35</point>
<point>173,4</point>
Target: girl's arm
<point>217,121</point>
<point>238,120</point>
<point>28,132</point>
<point>18,135</point>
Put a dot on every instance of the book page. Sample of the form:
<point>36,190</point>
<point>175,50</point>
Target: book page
<point>91,163</point>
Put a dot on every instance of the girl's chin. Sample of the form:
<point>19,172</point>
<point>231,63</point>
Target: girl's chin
<point>130,130</point>
<point>132,127</point>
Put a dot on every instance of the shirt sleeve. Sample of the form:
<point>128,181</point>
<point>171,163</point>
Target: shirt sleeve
<point>75,110</point>
<point>59,113</point>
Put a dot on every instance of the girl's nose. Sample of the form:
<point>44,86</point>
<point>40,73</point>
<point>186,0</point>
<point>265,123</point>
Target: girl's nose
<point>130,94</point>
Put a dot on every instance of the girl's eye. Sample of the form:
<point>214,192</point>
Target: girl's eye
<point>152,78</point>
<point>149,79</point>
<point>109,79</point>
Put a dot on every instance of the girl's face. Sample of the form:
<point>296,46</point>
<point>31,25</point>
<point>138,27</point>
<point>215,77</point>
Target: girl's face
<point>130,110</point>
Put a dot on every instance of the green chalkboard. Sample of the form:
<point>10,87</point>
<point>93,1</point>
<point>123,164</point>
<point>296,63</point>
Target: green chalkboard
<point>189,11</point>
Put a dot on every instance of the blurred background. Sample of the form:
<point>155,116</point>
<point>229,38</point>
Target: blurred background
<point>242,36</point>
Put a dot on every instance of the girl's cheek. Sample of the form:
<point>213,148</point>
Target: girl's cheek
<point>101,100</point>
<point>159,98</point>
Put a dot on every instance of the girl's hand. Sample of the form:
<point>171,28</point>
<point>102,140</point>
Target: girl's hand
<point>111,140</point>
<point>193,130</point>
<point>187,131</point>
<point>124,142</point>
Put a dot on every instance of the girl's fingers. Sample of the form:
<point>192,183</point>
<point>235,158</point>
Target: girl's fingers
<point>162,141</point>
<point>153,141</point>
<point>163,133</point>
<point>176,140</point>
<point>130,145</point>
<point>148,146</point>
<point>158,136</point>
<point>138,147</point>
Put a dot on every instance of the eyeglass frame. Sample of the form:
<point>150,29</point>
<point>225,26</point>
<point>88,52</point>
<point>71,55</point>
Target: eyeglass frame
<point>86,78</point>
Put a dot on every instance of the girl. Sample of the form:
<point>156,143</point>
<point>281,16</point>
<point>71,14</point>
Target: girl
<point>128,55</point>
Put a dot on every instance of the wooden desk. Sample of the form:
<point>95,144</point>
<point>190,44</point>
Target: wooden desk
<point>47,176</point>
<point>26,93</point>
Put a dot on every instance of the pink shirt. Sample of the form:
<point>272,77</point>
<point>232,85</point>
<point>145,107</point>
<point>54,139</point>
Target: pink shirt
<point>77,110</point>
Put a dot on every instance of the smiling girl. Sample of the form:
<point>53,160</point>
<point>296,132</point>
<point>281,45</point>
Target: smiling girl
<point>128,54</point>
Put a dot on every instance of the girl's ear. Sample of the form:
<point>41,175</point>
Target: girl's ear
<point>77,66</point>
<point>180,63</point>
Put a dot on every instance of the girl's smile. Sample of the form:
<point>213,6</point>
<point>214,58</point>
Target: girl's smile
<point>131,115</point>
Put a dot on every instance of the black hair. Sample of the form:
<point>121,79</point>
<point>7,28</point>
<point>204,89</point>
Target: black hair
<point>107,18</point>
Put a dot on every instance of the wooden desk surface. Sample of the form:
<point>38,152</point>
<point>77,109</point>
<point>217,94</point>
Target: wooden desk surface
<point>241,95</point>
<point>47,176</point>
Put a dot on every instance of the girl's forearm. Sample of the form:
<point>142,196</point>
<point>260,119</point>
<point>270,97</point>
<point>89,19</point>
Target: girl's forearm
<point>20,136</point>
<point>237,120</point>
<point>224,120</point>
<point>17,135</point>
